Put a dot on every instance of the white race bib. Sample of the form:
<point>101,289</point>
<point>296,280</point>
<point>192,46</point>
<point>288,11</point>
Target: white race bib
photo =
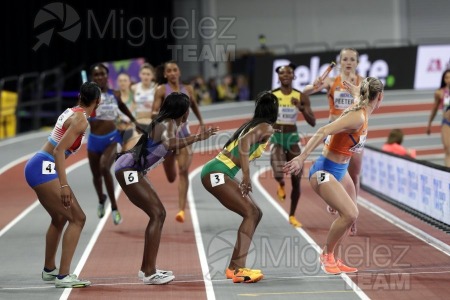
<point>217,179</point>
<point>322,177</point>
<point>131,177</point>
<point>342,99</point>
<point>48,167</point>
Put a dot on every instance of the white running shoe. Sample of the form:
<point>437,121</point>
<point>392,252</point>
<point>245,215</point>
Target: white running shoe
<point>71,281</point>
<point>141,274</point>
<point>158,278</point>
<point>117,218</point>
<point>50,276</point>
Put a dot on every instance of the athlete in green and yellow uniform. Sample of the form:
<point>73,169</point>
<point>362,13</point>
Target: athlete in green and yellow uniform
<point>286,141</point>
<point>246,144</point>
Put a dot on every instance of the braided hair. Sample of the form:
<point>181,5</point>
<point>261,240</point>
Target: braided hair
<point>266,111</point>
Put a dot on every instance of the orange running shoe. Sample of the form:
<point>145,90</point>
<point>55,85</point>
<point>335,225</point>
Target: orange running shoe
<point>245,275</point>
<point>229,273</point>
<point>328,264</point>
<point>180,216</point>
<point>344,268</point>
<point>294,222</point>
<point>281,193</point>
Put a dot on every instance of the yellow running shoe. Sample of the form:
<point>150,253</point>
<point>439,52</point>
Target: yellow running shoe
<point>281,193</point>
<point>247,276</point>
<point>294,222</point>
<point>229,273</point>
<point>180,216</point>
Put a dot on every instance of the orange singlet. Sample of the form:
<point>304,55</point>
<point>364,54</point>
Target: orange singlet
<point>338,97</point>
<point>349,143</point>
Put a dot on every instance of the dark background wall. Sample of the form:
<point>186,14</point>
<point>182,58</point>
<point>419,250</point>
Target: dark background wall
<point>140,29</point>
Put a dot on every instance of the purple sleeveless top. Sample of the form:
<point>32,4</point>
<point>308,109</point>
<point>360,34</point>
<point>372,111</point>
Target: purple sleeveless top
<point>169,90</point>
<point>155,156</point>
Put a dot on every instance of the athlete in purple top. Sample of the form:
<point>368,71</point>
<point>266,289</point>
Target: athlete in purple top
<point>149,151</point>
<point>184,155</point>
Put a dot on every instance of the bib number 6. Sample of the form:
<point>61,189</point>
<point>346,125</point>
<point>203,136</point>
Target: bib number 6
<point>131,177</point>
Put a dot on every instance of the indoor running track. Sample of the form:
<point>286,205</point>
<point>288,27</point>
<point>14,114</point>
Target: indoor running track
<point>399,256</point>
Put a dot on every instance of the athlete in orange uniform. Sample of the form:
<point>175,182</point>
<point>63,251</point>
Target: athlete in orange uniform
<point>339,98</point>
<point>329,177</point>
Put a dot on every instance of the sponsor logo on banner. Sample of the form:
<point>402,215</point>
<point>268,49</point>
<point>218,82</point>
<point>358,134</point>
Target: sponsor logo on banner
<point>306,74</point>
<point>431,62</point>
<point>418,186</point>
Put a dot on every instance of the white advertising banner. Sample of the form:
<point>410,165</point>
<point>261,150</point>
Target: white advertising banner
<point>431,62</point>
<point>418,186</point>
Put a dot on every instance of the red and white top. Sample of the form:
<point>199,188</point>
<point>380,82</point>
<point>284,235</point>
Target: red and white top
<point>59,130</point>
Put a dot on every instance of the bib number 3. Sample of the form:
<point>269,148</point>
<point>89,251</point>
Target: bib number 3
<point>217,179</point>
<point>48,167</point>
<point>131,177</point>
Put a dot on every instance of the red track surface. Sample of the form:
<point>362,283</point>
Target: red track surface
<point>409,269</point>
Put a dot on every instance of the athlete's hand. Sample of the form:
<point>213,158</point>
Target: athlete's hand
<point>294,166</point>
<point>66,196</point>
<point>207,133</point>
<point>245,186</point>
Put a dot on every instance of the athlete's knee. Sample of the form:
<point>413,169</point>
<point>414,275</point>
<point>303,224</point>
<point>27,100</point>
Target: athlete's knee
<point>158,215</point>
<point>78,218</point>
<point>255,213</point>
<point>351,215</point>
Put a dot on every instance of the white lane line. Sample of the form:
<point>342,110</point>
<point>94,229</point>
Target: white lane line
<point>92,241</point>
<point>199,240</point>
<point>22,138</point>
<point>255,180</point>
<point>414,231</point>
<point>15,162</point>
<point>36,202</point>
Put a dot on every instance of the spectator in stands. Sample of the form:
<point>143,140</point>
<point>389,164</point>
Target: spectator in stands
<point>329,177</point>
<point>242,88</point>
<point>212,88</point>
<point>442,99</point>
<point>227,90</point>
<point>394,144</point>
<point>201,91</point>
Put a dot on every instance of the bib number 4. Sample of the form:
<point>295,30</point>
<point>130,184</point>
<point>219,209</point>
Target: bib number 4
<point>48,167</point>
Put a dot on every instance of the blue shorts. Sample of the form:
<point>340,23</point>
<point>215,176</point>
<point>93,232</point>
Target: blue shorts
<point>39,168</point>
<point>98,143</point>
<point>445,122</point>
<point>324,164</point>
